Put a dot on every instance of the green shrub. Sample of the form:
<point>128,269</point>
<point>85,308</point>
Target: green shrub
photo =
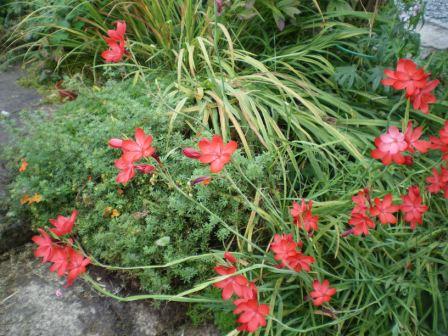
<point>71,166</point>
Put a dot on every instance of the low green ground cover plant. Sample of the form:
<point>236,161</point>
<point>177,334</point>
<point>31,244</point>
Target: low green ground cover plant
<point>329,218</point>
<point>143,223</point>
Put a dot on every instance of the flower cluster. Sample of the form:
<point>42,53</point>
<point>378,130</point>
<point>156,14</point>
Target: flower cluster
<point>252,314</point>
<point>303,216</point>
<point>66,260</point>
<point>214,152</point>
<point>285,250</point>
<point>391,146</point>
<point>414,81</point>
<point>116,43</point>
<point>133,151</point>
<point>365,210</point>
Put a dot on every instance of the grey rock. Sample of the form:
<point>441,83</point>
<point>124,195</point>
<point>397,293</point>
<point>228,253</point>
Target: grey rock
<point>433,36</point>
<point>34,302</point>
<point>434,30</point>
<point>13,99</point>
<point>437,12</point>
<point>13,233</point>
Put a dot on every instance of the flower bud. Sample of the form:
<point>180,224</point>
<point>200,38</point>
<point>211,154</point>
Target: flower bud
<point>115,143</point>
<point>191,153</point>
<point>145,168</point>
<point>205,180</point>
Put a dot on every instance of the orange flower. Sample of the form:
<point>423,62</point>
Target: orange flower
<point>115,213</point>
<point>36,198</point>
<point>23,166</point>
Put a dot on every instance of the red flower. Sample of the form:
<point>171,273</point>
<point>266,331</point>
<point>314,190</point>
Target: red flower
<point>303,216</point>
<point>115,143</point>
<point>408,160</point>
<point>219,6</point>
<point>115,52</point>
<point>443,133</point>
<point>284,248</point>
<point>116,43</point>
<point>412,207</point>
<point>359,219</point>
<point>361,200</point>
<point>23,166</point>
<point>299,262</point>
<point>322,292</point>
<point>140,148</point>
<point>127,170</point>
<point>361,224</point>
<point>441,143</point>
<point>60,258</point>
<point>118,33</point>
<point>406,76</point>
<point>145,168</point>
<point>390,147</point>
<point>216,152</point>
<point>237,284</point>
<point>45,247</point>
<point>438,144</point>
<point>252,314</point>
<point>229,257</point>
<point>412,137</point>
<point>63,225</point>
<point>423,97</point>
<point>438,181</point>
<point>76,266</point>
<point>191,153</point>
<point>384,210</point>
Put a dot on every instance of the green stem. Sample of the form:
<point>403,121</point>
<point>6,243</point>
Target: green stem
<point>105,292</point>
<point>181,297</point>
<point>169,264</point>
<point>406,116</point>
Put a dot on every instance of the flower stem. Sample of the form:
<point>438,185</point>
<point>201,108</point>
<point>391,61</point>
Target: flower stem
<point>406,116</point>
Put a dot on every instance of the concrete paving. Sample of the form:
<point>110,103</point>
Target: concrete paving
<point>434,30</point>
